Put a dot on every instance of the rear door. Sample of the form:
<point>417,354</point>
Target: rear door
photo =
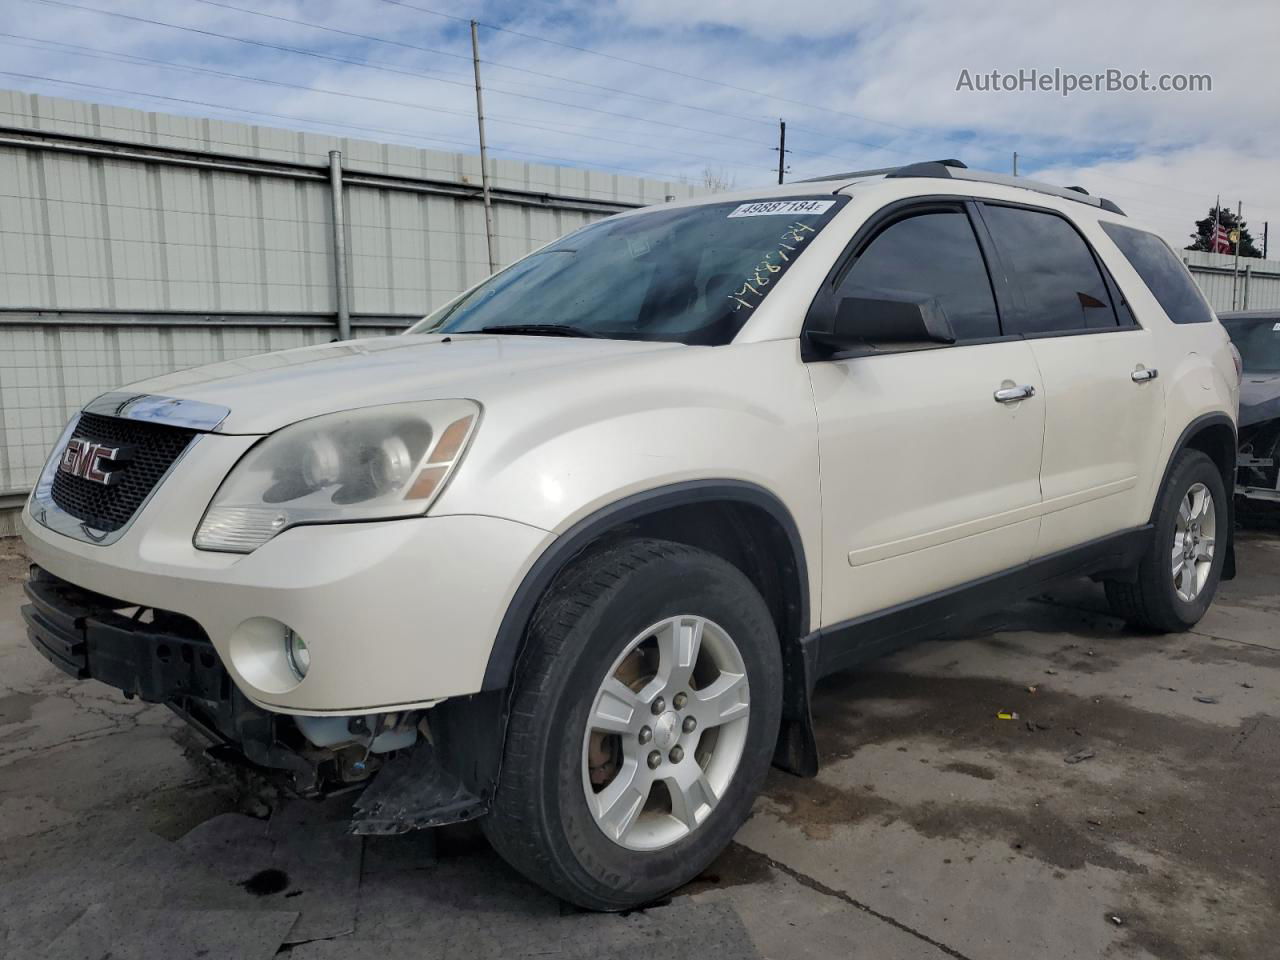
<point>1103,400</point>
<point>928,480</point>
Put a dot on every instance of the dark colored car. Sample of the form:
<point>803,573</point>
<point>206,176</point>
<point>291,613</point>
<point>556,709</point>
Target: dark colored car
<point>1256,334</point>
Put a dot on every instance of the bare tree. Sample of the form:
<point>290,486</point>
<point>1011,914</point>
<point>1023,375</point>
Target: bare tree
<point>719,180</point>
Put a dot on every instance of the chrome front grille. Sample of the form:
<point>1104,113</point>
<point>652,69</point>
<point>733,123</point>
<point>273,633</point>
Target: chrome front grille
<point>153,449</point>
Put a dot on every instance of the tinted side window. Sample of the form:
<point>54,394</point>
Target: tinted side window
<point>934,254</point>
<point>1162,271</point>
<point>1054,268</point>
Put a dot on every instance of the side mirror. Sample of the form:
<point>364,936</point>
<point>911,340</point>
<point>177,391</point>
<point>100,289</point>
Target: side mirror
<point>869,321</point>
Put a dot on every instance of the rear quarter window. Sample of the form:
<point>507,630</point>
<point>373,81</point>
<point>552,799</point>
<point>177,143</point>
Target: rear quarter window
<point>1164,274</point>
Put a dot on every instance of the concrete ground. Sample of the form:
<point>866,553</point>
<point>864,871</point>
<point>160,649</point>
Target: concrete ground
<point>936,828</point>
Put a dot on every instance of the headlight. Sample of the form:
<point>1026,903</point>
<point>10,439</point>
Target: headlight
<point>369,464</point>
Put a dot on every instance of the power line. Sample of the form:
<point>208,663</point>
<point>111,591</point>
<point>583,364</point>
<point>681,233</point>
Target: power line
<point>1095,172</point>
<point>677,73</point>
<point>1092,172</point>
<point>280,116</point>
<point>390,69</point>
<point>490,63</point>
<point>445,79</point>
<point>139,60</point>
<point>933,135</point>
<point>363,63</point>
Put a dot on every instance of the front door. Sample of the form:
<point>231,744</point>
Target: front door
<point>928,480</point>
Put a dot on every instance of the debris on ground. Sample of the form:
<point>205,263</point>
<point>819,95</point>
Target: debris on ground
<point>1080,755</point>
<point>1033,688</point>
<point>1200,699</point>
<point>1007,715</point>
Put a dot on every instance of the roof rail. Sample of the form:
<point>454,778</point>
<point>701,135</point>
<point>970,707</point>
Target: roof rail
<point>1067,193</point>
<point>884,170</point>
<point>955,170</point>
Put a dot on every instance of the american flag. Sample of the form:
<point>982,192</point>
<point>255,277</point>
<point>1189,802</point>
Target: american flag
<point>1220,241</point>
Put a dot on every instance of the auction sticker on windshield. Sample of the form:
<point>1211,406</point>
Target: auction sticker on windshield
<point>765,208</point>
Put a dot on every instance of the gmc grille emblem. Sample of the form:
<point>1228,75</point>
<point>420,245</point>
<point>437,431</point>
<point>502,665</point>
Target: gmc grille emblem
<point>93,461</point>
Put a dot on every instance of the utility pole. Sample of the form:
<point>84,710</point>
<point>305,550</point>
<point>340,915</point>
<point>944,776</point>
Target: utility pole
<point>1235,269</point>
<point>1264,239</point>
<point>1015,163</point>
<point>340,293</point>
<point>782,149</point>
<point>484,156</point>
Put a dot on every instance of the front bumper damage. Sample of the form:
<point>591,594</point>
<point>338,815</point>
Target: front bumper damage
<point>161,657</point>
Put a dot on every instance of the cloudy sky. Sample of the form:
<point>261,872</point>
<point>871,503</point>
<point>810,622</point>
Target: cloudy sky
<point>675,88</point>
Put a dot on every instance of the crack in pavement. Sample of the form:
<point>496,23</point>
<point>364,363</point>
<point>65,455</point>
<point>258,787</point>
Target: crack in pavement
<point>817,886</point>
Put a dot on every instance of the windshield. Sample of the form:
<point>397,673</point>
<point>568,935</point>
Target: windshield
<point>688,275</point>
<point>1258,342</point>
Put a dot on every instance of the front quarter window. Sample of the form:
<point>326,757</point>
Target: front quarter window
<point>686,275</point>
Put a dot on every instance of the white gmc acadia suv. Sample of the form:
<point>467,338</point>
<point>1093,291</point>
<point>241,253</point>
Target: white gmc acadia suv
<point>571,554</point>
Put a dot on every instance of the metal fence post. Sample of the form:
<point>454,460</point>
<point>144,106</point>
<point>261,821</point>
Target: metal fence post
<point>339,246</point>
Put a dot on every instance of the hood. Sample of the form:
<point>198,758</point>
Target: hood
<point>1259,397</point>
<point>272,390</point>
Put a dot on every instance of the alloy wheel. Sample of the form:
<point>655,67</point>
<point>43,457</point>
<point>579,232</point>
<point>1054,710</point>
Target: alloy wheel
<point>666,732</point>
<point>1194,534</point>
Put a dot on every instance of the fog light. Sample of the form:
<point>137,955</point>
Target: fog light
<point>299,655</point>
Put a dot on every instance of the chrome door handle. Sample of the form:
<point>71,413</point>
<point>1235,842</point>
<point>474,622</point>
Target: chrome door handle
<point>1014,394</point>
<point>1143,375</point>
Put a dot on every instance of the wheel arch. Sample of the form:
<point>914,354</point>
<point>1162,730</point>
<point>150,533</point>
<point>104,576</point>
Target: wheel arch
<point>1213,434</point>
<point>743,522</point>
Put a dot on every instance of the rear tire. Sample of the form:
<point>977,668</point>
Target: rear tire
<point>550,818</point>
<point>1176,582</point>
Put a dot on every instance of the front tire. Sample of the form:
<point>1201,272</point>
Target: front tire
<point>1179,576</point>
<point>643,722</point>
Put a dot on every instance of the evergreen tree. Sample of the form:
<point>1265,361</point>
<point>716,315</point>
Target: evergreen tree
<point>1202,239</point>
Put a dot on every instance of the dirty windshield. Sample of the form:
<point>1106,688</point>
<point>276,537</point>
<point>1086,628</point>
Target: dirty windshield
<point>688,275</point>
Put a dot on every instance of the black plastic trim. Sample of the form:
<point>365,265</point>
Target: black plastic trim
<point>1191,429</point>
<point>1076,332</point>
<point>1228,478</point>
<point>1104,272</point>
<point>864,638</point>
<point>81,634</point>
<point>506,645</point>
<point>877,222</point>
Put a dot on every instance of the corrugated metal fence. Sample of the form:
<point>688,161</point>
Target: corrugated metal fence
<point>134,243</point>
<point>1247,285</point>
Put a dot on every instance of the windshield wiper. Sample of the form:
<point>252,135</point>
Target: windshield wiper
<point>540,330</point>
